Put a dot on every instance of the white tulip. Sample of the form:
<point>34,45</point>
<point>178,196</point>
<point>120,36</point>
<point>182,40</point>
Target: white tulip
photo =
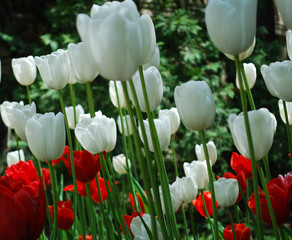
<point>20,115</point>
<point>262,130</point>
<point>113,94</point>
<point>245,54</point>
<point>154,60</point>
<point>6,112</point>
<point>198,171</point>
<point>251,75</point>
<point>187,188</point>
<point>284,7</point>
<point>87,115</point>
<point>212,151</point>
<point>163,131</point>
<point>289,43</point>
<point>70,115</point>
<point>128,128</point>
<point>289,111</point>
<point>24,70</point>
<point>173,116</point>
<point>13,157</point>
<point>226,191</point>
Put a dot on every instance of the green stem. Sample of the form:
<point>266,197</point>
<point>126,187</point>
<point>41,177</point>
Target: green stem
<point>248,91</point>
<point>173,156</point>
<point>17,144</point>
<point>192,221</point>
<point>55,200</point>
<point>73,101</point>
<point>269,203</point>
<point>90,210</point>
<point>251,149</point>
<point>28,94</point>
<point>144,168</point>
<point>75,194</point>
<point>210,173</point>
<point>185,221</point>
<point>267,168</point>
<point>170,215</point>
<point>90,99</point>
<point>231,221</point>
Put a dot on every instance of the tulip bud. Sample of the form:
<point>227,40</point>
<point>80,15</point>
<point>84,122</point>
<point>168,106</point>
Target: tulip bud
<point>113,94</point>
<point>13,157</point>
<point>128,128</point>
<point>82,63</point>
<point>187,188</point>
<point>245,54</point>
<point>45,134</point>
<point>154,60</point>
<point>24,70</point>
<point>87,115</point>
<point>154,88</point>
<point>289,111</point>
<point>251,75</point>
<point>173,116</point>
<point>138,229</point>
<point>20,115</point>
<point>199,115</point>
<point>120,163</point>
<point>163,131</point>
<point>97,134</point>
<point>212,151</point>
<point>70,115</point>
<point>277,77</point>
<point>198,171</point>
<point>231,24</point>
<point>54,69</point>
<point>289,43</point>
<point>226,191</point>
<point>125,40</point>
<point>284,7</point>
<point>262,131</point>
<point>6,112</point>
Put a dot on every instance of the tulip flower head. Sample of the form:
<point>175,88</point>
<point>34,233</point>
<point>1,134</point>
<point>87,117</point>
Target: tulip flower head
<point>20,115</point>
<point>187,187</point>
<point>120,163</point>
<point>97,134</point>
<point>154,88</point>
<point>241,232</point>
<point>24,70</point>
<point>154,60</point>
<point>113,94</point>
<point>82,64</point>
<point>277,79</point>
<point>251,75</point>
<point>195,105</point>
<point>13,157</point>
<point>87,115</point>
<point>212,151</point>
<point>70,115</point>
<point>226,191</point>
<point>65,214</point>
<point>240,163</point>
<point>45,134</point>
<point>6,112</point>
<point>289,43</point>
<point>245,54</point>
<point>199,205</point>
<point>231,24</point>
<point>289,111</point>
<point>198,171</point>
<point>138,229</point>
<point>128,128</point>
<point>284,7</point>
<point>54,69</point>
<point>163,131</point>
<point>117,56</point>
<point>173,116</point>
<point>262,129</point>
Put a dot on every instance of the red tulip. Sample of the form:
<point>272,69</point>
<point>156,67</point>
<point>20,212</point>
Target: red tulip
<point>198,203</point>
<point>93,189</point>
<point>86,165</point>
<point>240,179</point>
<point>240,163</point>
<point>88,237</point>
<point>25,173</point>
<point>65,214</point>
<point>128,219</point>
<point>241,232</point>
<point>280,193</point>
<point>140,201</point>
<point>23,211</point>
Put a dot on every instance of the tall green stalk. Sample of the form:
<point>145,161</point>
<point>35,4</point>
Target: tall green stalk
<point>210,173</point>
<point>28,94</point>
<point>288,129</point>
<point>170,215</point>
<point>251,149</point>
